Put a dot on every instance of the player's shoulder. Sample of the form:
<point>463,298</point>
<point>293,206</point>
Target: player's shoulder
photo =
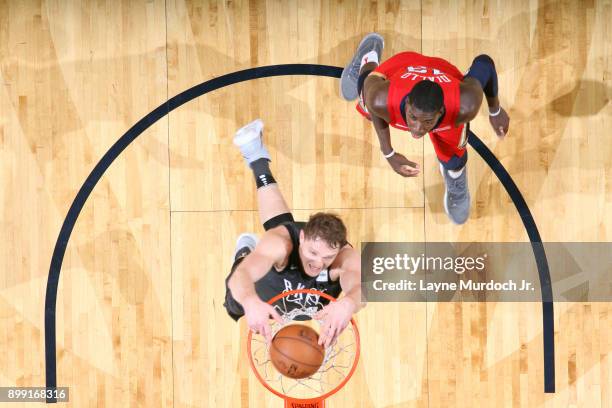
<point>378,91</point>
<point>276,242</point>
<point>470,93</point>
<point>348,262</point>
<point>348,257</point>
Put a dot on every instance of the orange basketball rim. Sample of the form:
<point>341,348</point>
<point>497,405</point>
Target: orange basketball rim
<point>352,343</point>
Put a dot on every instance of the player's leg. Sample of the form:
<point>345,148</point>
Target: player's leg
<point>453,166</point>
<point>244,245</point>
<point>366,59</point>
<point>272,207</point>
<point>457,193</point>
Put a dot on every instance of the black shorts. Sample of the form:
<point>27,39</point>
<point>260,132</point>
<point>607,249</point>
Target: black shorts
<point>233,308</point>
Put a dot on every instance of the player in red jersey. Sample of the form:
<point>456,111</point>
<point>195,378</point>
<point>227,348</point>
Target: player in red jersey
<point>423,95</point>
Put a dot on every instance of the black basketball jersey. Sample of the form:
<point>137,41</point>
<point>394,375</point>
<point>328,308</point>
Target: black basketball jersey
<point>293,277</point>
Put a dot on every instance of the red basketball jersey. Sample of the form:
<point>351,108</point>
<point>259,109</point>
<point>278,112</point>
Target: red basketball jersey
<point>404,71</point>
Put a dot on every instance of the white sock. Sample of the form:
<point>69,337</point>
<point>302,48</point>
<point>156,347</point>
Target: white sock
<point>456,173</point>
<point>371,56</point>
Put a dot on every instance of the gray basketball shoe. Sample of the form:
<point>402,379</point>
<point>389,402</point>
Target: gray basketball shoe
<point>456,197</point>
<point>245,244</point>
<point>249,141</point>
<point>350,74</point>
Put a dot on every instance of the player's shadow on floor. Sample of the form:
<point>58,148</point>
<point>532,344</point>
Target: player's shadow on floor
<point>434,193</point>
<point>587,98</point>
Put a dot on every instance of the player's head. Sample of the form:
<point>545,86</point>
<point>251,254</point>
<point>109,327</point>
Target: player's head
<point>320,242</point>
<point>424,107</point>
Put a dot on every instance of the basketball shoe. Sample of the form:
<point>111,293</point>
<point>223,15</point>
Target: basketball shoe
<point>456,196</point>
<point>249,140</point>
<point>350,74</point>
<point>245,244</point>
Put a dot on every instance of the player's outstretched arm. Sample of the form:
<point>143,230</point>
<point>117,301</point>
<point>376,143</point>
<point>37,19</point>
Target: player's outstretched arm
<point>350,276</point>
<point>482,78</point>
<point>375,91</point>
<point>270,250</point>
<point>337,315</point>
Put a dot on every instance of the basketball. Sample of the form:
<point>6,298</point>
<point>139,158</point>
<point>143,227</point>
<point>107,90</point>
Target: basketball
<point>294,351</point>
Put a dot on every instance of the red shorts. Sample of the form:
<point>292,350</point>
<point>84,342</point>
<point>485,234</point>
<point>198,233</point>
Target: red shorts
<point>450,143</point>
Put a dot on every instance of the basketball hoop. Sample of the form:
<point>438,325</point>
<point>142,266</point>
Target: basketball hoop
<point>339,363</point>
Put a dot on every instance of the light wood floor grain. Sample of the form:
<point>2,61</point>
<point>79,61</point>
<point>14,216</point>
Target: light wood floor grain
<point>140,320</point>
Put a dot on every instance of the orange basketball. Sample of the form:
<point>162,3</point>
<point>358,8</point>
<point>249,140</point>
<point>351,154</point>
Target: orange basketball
<point>294,351</point>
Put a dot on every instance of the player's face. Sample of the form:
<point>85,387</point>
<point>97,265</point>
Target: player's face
<point>419,122</point>
<point>316,254</point>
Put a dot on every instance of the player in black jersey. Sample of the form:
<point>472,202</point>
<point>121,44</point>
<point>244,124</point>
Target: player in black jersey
<point>289,255</point>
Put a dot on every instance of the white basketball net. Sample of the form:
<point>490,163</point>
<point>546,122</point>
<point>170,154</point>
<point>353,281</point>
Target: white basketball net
<point>339,357</point>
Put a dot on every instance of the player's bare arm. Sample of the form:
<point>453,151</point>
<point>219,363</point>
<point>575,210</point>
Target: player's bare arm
<point>349,272</point>
<point>481,80</point>
<point>271,250</point>
<point>337,315</point>
<point>376,89</point>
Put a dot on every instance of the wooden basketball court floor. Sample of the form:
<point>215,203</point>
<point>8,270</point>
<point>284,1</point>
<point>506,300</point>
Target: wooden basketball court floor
<point>140,320</point>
